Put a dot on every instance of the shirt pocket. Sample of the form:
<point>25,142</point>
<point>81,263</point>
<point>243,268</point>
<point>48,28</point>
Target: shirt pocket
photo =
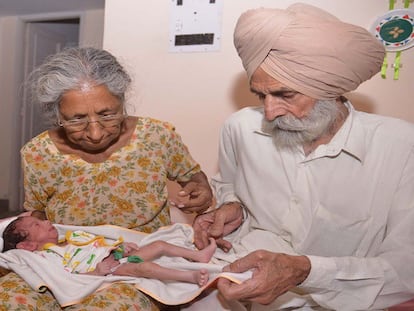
<point>334,233</point>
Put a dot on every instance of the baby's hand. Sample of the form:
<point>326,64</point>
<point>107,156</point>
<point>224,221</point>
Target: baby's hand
<point>129,247</point>
<point>105,267</point>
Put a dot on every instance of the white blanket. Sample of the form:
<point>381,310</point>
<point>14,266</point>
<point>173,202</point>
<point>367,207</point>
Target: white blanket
<point>72,288</point>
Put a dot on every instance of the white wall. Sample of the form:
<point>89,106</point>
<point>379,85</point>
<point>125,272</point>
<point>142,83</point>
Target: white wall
<point>198,91</point>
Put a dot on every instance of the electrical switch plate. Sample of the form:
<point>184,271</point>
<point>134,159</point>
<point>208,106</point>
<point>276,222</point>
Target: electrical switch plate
<point>195,25</point>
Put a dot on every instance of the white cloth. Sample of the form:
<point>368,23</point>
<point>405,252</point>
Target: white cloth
<point>348,206</point>
<point>69,288</point>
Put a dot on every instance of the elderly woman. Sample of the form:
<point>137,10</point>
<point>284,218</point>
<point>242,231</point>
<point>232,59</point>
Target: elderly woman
<point>100,166</point>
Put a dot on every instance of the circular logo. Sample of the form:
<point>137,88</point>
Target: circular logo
<point>395,29</point>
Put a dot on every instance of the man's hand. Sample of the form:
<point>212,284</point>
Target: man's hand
<point>195,196</point>
<point>273,275</point>
<point>217,224</point>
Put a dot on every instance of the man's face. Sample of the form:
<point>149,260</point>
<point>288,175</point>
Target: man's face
<point>292,118</point>
<point>278,99</point>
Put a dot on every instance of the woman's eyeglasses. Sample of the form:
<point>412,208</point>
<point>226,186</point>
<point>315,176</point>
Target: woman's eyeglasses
<point>81,124</point>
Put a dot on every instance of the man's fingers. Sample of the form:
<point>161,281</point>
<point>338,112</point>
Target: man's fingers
<point>242,265</point>
<point>201,240</point>
<point>233,291</point>
<point>221,218</point>
<point>224,245</point>
<point>216,229</point>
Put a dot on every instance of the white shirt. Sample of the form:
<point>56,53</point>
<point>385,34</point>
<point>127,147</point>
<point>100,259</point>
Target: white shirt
<point>348,206</point>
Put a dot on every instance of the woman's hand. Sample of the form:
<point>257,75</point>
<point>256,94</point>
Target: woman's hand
<point>195,196</point>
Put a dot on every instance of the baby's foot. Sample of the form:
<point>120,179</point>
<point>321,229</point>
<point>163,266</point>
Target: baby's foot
<point>201,277</point>
<point>208,252</point>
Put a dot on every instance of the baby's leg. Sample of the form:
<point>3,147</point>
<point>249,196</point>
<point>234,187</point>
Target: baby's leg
<point>161,248</point>
<point>152,270</point>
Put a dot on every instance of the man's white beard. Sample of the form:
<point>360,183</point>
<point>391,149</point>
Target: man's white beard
<point>290,132</point>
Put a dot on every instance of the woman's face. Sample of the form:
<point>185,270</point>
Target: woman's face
<point>91,117</point>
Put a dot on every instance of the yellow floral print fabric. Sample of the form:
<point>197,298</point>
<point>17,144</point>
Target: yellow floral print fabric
<point>128,189</point>
<point>17,295</point>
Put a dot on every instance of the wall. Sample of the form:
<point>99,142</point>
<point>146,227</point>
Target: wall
<point>91,28</point>
<point>11,75</point>
<point>11,71</point>
<point>198,91</point>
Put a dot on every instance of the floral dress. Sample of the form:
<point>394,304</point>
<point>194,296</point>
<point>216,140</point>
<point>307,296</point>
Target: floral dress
<point>128,189</point>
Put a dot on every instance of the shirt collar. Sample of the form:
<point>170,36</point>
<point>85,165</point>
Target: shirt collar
<point>350,138</point>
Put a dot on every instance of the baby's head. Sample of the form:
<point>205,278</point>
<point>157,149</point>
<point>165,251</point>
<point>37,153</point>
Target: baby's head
<point>29,233</point>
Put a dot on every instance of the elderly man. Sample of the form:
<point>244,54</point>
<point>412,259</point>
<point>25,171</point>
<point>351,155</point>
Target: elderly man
<point>320,195</point>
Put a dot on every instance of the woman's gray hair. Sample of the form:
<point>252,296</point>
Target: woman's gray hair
<point>71,69</point>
